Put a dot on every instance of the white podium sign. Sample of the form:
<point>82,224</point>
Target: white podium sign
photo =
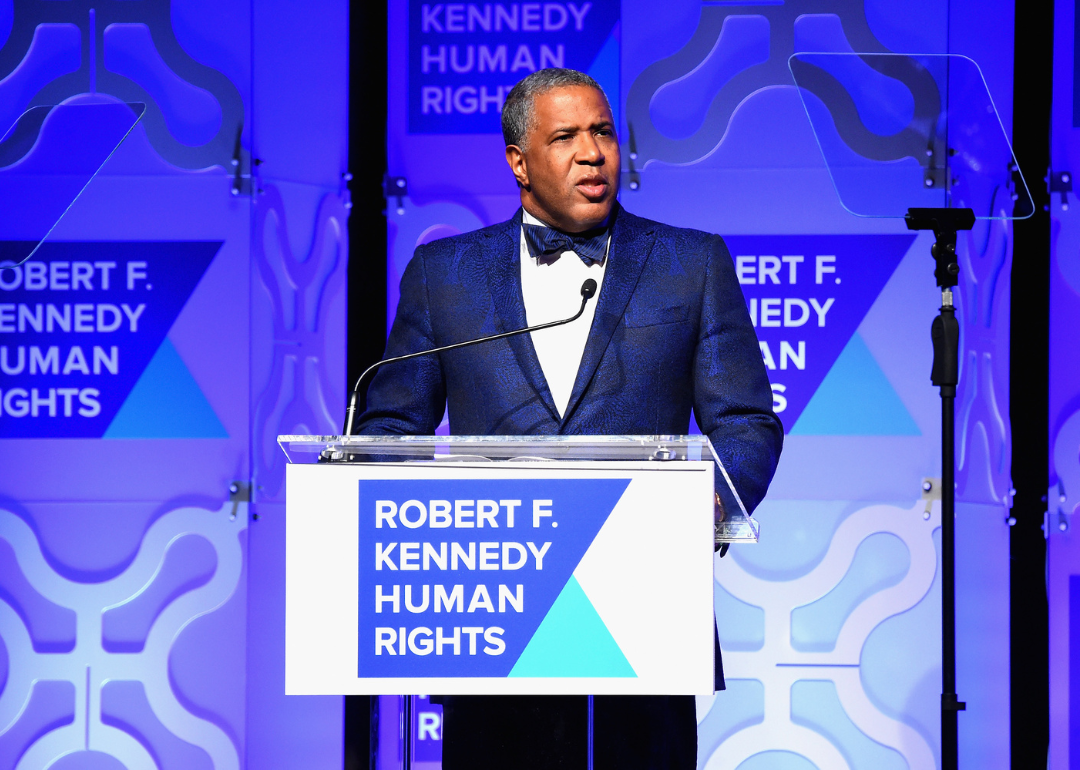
<point>515,577</point>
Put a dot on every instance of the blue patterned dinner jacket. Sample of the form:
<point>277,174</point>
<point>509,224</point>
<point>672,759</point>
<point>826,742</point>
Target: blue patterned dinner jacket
<point>671,332</point>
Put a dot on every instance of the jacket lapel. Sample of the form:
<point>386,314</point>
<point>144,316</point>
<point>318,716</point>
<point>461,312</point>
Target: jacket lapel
<point>504,281</point>
<point>631,242</point>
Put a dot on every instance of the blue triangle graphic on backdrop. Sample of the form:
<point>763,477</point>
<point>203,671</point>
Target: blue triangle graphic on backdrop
<point>855,399</point>
<point>805,314</point>
<point>572,640</point>
<point>166,402</point>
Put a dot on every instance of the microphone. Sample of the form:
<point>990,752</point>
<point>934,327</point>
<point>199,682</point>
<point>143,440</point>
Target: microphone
<point>588,291</point>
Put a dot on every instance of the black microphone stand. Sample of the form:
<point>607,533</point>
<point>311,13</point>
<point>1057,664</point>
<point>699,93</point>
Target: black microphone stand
<point>945,332</point>
<point>588,290</point>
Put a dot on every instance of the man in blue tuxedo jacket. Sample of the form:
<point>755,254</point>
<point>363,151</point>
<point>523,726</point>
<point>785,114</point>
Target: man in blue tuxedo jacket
<point>669,333</point>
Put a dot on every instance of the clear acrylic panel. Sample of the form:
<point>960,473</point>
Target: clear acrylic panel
<point>39,187</point>
<point>735,526</point>
<point>407,731</point>
<point>901,131</point>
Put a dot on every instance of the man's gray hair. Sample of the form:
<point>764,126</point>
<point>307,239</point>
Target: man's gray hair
<point>518,112</point>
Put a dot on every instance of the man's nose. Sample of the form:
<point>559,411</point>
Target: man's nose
<point>589,152</point>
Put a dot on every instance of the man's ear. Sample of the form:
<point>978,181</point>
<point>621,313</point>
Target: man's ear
<point>515,158</point>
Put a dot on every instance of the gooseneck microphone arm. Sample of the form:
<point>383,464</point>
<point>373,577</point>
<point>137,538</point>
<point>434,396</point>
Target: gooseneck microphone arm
<point>588,290</point>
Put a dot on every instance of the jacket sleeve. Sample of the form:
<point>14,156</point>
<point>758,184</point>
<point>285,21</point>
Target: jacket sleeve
<point>732,395</point>
<point>408,397</point>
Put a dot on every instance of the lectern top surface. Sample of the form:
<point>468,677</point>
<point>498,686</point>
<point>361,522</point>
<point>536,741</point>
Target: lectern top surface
<point>736,524</point>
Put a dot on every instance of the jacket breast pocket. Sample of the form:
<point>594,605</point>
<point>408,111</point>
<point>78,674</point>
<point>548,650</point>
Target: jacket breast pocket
<point>656,316</point>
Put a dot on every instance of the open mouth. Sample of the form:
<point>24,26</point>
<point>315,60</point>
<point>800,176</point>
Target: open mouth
<point>592,187</point>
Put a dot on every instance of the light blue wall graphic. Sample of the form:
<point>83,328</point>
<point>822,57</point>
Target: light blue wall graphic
<point>166,402</point>
<point>815,704</point>
<point>880,561</point>
<point>855,399</point>
<point>572,640</point>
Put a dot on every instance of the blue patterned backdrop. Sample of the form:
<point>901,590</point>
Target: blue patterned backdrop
<point>1063,495</point>
<point>142,612</point>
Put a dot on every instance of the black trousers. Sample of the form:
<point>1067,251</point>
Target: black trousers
<point>630,732</point>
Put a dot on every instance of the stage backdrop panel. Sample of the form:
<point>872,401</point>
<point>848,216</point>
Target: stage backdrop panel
<point>831,623</point>
<point>1063,495</point>
<point>187,309</point>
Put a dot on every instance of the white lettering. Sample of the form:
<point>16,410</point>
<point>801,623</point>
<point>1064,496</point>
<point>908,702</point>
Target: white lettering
<point>111,324</point>
<point>88,397</point>
<point>431,555</point>
<point>383,556</point>
<point>792,261</point>
<point>385,638</point>
<point>409,556</point>
<point>429,18</point>
<point>105,267</point>
<point>541,508</point>
<point>766,355</point>
<point>385,510</point>
<point>45,364</point>
<point>507,562</point>
<point>59,275</point>
<point>420,518</point>
<point>579,14</point>
<point>770,312</point>
<point>787,352</point>
<point>110,361</point>
<point>133,315</point>
<point>821,310</point>
<point>523,60</point>
<point>516,599</point>
<point>420,642</point>
<point>136,271</point>
<point>409,602</point>
<point>789,320</point>
<point>5,365</point>
<point>826,263</point>
<point>82,273</point>
<point>486,510</point>
<point>493,636</point>
<point>452,602</point>
<point>481,599</point>
<point>779,401</point>
<point>539,555</point>
<point>381,598</point>
<point>76,361</point>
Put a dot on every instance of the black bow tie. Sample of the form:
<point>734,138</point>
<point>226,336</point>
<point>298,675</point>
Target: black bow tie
<point>590,245</point>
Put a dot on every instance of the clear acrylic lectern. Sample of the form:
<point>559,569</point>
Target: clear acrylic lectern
<point>496,565</point>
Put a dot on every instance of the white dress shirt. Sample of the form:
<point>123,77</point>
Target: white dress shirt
<point>552,292</point>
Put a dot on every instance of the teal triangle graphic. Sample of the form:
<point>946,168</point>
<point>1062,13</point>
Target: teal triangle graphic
<point>855,399</point>
<point>605,71</point>
<point>166,402</point>
<point>572,640</point>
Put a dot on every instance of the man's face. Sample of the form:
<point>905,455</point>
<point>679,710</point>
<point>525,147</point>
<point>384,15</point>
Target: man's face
<point>569,175</point>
